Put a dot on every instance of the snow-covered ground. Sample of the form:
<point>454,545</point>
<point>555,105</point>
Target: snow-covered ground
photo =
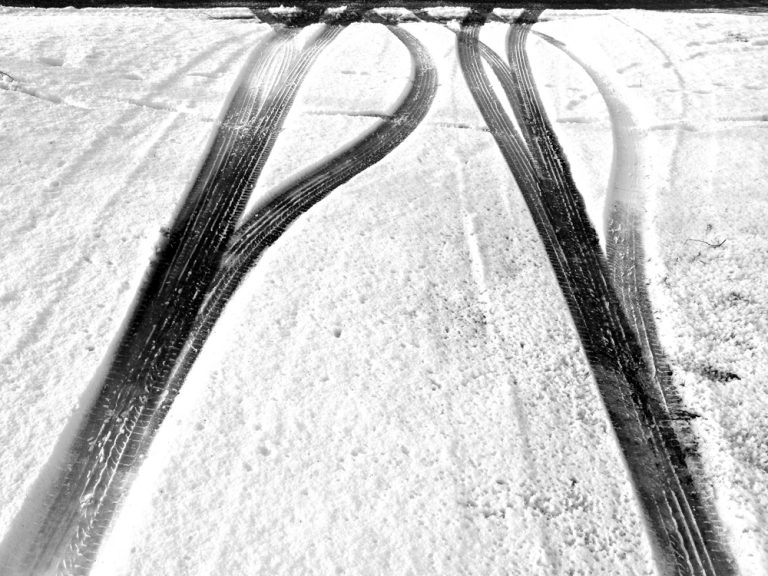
<point>397,387</point>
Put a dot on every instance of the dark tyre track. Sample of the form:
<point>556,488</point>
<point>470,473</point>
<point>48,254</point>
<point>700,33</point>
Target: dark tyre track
<point>695,541</point>
<point>685,542</point>
<point>270,220</point>
<point>117,430</point>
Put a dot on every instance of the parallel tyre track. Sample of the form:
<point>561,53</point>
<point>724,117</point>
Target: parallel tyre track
<point>700,548</point>
<point>680,527</point>
<point>626,258</point>
<point>116,431</point>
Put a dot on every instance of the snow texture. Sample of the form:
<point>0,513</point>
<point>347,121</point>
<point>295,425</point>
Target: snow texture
<point>397,387</point>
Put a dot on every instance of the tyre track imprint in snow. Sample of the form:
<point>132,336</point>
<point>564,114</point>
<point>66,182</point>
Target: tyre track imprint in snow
<point>288,202</point>
<point>684,538</point>
<point>626,199</point>
<point>198,269</point>
<point>207,255</point>
<point>65,535</point>
<point>41,320</point>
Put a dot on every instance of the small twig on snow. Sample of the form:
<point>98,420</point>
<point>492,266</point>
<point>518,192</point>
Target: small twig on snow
<point>710,244</point>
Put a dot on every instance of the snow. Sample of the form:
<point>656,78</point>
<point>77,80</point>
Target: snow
<point>397,387</point>
<point>702,142</point>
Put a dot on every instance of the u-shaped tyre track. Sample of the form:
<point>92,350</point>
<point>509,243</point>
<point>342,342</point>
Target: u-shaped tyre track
<point>681,530</point>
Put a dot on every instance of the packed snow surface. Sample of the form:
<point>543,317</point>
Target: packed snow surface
<point>397,387</point>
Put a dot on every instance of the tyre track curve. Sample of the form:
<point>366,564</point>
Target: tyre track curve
<point>638,414</point>
<point>289,202</point>
<point>65,534</point>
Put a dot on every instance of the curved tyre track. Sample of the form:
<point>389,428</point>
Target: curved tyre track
<point>65,534</point>
<point>680,527</point>
<point>269,221</point>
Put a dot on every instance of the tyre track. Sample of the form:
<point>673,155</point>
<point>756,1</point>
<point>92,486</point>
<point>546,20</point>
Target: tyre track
<point>624,239</point>
<point>697,520</point>
<point>694,540</point>
<point>681,533</point>
<point>82,159</point>
<point>272,218</point>
<point>66,533</point>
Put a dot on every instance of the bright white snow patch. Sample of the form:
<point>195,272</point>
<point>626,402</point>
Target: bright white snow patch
<point>397,388</point>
